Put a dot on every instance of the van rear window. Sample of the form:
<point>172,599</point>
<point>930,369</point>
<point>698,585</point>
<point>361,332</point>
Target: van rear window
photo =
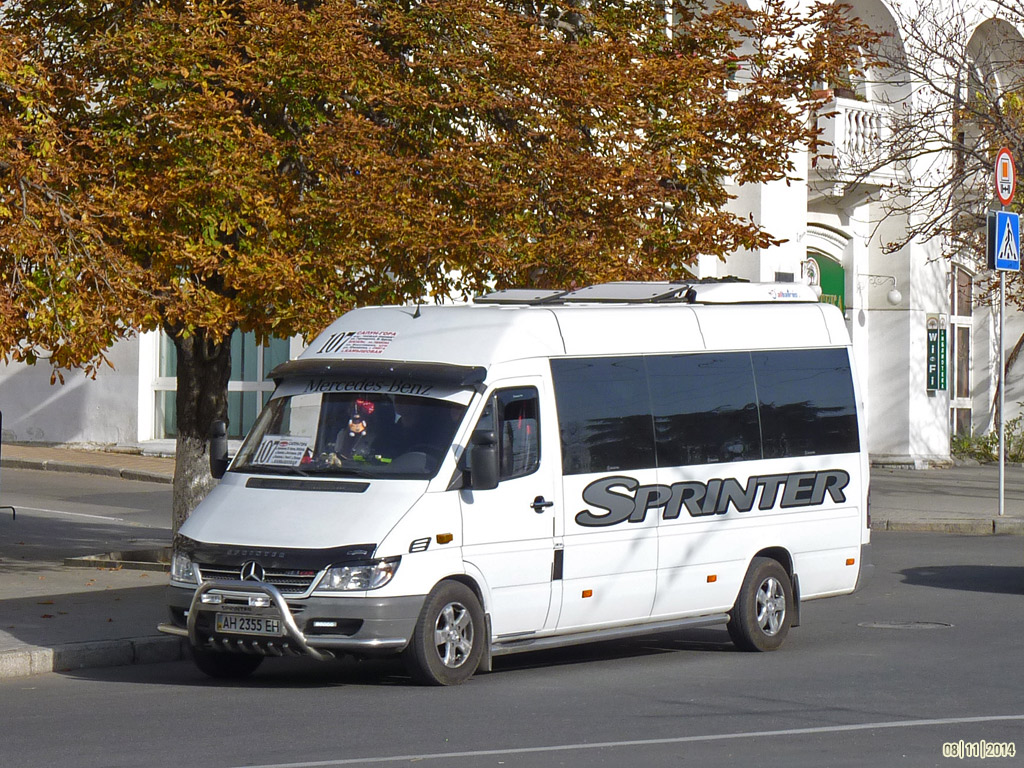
<point>806,402</point>
<point>677,410</point>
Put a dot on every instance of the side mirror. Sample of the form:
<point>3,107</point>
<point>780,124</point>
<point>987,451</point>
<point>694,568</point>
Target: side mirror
<point>483,460</point>
<point>218,448</point>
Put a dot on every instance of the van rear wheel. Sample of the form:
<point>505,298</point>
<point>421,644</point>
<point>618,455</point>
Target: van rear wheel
<point>448,641</point>
<point>763,612</point>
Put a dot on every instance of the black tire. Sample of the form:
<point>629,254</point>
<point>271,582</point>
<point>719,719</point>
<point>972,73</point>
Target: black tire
<point>225,666</point>
<point>763,612</point>
<point>448,641</point>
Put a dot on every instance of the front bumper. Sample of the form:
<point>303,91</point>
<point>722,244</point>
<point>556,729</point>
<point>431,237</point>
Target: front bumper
<point>320,627</point>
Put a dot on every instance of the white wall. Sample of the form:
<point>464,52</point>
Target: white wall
<point>79,411</point>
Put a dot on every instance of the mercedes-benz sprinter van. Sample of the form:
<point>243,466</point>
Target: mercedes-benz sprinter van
<point>534,469</point>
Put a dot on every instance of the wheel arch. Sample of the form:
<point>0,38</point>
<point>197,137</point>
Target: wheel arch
<point>469,581</point>
<point>779,554</point>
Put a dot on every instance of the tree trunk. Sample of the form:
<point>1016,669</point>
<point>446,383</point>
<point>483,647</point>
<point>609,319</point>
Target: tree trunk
<point>204,368</point>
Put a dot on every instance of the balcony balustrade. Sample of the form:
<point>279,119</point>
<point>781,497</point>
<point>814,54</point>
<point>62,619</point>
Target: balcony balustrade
<point>852,161</point>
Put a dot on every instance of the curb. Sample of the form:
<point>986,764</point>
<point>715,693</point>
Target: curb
<point>158,560</point>
<point>124,473</point>
<point>33,660</point>
<point>991,527</point>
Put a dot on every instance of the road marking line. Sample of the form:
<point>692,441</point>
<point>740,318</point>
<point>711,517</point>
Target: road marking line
<point>647,742</point>
<point>70,514</point>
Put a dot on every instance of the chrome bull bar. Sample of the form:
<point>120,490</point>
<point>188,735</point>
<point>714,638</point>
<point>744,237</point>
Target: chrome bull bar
<point>245,589</point>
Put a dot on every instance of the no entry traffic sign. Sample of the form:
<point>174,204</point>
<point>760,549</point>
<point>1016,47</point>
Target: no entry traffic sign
<point>1006,176</point>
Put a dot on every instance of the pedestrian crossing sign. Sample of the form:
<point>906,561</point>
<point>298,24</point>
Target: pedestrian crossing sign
<point>1004,241</point>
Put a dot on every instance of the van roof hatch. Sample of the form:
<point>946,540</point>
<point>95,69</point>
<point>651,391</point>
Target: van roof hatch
<point>727,290</point>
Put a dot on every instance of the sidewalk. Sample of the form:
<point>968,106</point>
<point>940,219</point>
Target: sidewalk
<point>127,465</point>
<point>58,617</point>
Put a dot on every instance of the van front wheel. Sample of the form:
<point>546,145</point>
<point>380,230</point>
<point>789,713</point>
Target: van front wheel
<point>448,641</point>
<point>764,608</point>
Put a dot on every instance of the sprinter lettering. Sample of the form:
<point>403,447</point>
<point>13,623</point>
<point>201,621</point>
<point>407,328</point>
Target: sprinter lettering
<point>624,498</point>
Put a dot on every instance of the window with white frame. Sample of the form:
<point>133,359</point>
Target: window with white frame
<point>961,324</point>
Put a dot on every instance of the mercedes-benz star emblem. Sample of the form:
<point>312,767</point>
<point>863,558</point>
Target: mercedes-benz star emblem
<point>252,571</point>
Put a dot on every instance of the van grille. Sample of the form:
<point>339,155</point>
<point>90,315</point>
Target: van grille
<point>289,582</point>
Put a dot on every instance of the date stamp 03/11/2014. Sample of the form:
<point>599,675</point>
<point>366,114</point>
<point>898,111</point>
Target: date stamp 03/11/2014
<point>979,749</point>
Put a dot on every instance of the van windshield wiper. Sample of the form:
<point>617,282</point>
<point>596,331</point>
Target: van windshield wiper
<point>338,472</point>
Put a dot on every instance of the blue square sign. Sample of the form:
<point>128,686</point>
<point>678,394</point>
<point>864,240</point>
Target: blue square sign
<point>1004,241</point>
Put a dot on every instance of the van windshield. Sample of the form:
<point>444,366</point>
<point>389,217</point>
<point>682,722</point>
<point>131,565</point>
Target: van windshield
<point>365,434</point>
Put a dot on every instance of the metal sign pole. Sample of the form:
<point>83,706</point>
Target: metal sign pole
<point>1002,395</point>
<point>1002,260</point>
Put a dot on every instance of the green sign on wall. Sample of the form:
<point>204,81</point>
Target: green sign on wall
<point>832,281</point>
<point>937,352</point>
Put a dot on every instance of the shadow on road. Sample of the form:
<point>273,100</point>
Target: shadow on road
<point>40,538</point>
<point>302,673</point>
<point>991,579</point>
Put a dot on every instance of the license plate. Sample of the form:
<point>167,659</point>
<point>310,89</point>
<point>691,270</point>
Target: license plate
<point>248,625</point>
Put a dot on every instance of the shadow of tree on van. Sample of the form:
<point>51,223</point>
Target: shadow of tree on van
<point>992,579</point>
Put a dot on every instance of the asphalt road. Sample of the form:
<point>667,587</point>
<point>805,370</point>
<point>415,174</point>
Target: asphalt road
<point>927,655</point>
<point>63,514</point>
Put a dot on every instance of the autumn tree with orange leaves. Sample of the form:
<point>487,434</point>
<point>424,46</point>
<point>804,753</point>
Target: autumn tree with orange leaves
<point>265,165</point>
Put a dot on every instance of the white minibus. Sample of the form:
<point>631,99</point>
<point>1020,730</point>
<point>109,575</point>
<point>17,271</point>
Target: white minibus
<point>534,469</point>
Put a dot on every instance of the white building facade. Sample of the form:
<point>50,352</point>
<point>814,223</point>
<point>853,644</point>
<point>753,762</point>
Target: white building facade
<point>837,227</point>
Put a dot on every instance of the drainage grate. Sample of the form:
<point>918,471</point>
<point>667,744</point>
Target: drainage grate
<point>904,625</point>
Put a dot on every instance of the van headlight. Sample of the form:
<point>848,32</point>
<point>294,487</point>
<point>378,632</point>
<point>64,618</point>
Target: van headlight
<point>358,577</point>
<point>183,569</point>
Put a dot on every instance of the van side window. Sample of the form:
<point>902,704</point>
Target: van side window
<point>604,414</point>
<point>705,408</point>
<point>621,413</point>
<point>518,428</point>
<point>806,402</point>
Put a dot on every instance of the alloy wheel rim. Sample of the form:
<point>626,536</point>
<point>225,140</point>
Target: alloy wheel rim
<point>771,606</point>
<point>453,635</point>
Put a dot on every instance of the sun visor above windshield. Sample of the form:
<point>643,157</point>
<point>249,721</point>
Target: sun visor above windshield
<point>441,374</point>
